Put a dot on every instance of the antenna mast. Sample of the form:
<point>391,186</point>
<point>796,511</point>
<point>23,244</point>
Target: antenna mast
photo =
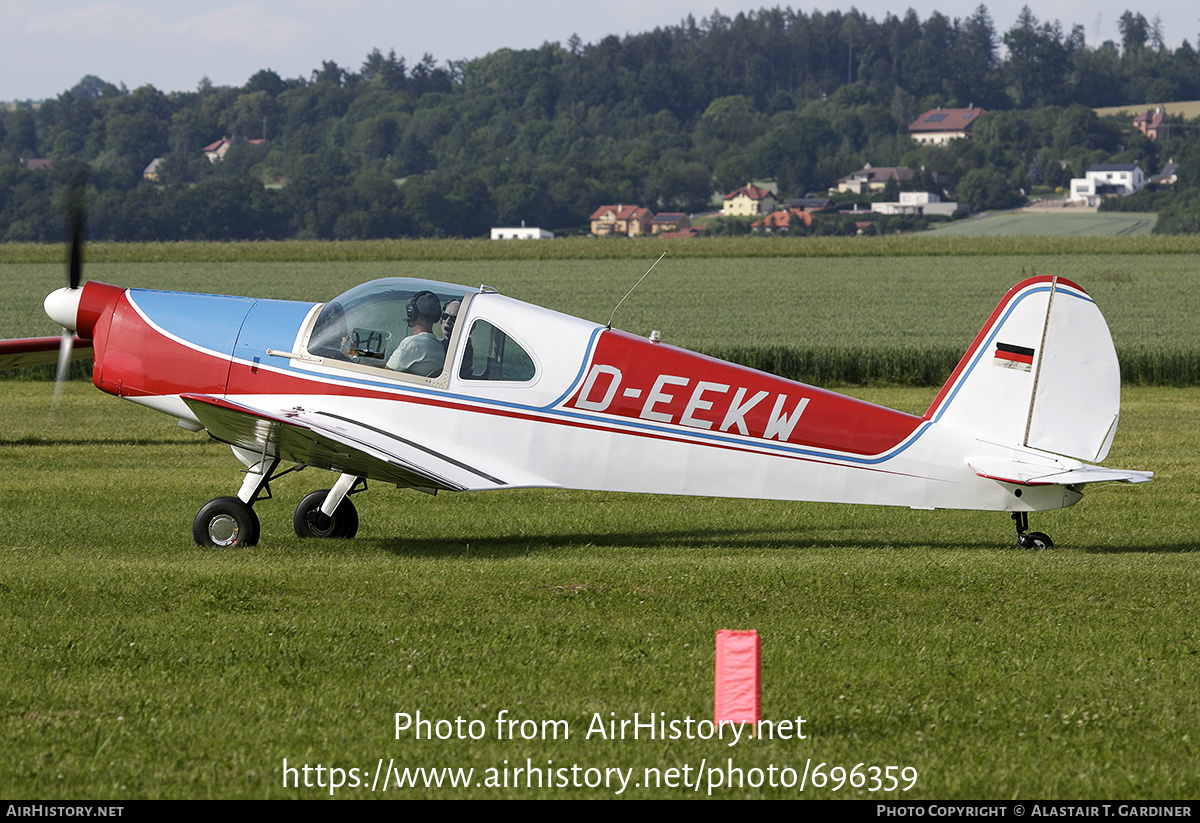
<point>635,285</point>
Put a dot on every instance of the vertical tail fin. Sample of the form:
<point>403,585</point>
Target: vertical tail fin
<point>1041,373</point>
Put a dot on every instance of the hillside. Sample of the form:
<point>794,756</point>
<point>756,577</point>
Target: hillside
<point>545,136</point>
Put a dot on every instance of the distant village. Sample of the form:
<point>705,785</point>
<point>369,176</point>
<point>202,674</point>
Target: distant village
<point>777,216</point>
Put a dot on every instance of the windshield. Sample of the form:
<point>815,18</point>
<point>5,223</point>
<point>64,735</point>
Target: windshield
<point>369,323</point>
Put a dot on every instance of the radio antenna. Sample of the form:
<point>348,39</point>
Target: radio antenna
<point>635,285</point>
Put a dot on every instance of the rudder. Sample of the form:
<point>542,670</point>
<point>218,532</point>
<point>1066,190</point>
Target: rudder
<point>1041,373</point>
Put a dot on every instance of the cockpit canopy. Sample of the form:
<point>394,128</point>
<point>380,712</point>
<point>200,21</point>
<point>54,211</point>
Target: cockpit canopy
<point>367,323</point>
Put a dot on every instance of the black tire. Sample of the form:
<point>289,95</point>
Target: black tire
<point>1035,540</point>
<point>225,522</point>
<point>344,522</point>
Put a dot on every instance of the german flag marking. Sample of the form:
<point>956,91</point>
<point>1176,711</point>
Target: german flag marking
<point>1008,356</point>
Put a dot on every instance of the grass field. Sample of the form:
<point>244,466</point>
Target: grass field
<point>137,665</point>
<point>1188,109</point>
<point>924,244</point>
<point>1051,224</point>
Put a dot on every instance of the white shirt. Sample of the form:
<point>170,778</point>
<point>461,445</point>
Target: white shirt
<point>418,354</point>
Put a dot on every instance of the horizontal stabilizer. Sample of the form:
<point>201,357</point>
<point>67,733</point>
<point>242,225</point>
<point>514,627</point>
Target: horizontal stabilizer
<point>1029,474</point>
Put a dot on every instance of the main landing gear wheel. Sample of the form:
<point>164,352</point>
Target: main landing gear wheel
<point>1027,539</point>
<point>310,522</point>
<point>224,522</point>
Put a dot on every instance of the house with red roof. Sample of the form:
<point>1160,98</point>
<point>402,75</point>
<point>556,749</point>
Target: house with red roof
<point>943,125</point>
<point>784,221</point>
<point>621,221</point>
<point>1153,124</point>
<point>216,151</point>
<point>669,221</point>
<point>749,200</point>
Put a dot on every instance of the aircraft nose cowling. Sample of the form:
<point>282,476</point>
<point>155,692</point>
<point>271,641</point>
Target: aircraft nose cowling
<point>80,309</point>
<point>62,306</point>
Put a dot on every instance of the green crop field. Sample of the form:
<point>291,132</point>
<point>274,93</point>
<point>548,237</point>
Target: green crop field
<point>830,320</point>
<point>1050,224</point>
<point>1188,109</point>
<point>138,665</point>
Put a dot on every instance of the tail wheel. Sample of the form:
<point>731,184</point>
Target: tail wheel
<point>1027,539</point>
<point>310,522</point>
<point>1035,540</point>
<point>225,522</point>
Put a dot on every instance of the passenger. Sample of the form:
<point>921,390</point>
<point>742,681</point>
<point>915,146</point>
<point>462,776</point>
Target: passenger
<point>449,318</point>
<point>420,353</point>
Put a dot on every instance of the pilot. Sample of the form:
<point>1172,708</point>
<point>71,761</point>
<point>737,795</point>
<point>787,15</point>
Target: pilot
<point>420,353</point>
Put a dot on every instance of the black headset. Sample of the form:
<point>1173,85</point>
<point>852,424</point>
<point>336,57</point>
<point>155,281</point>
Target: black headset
<point>423,304</point>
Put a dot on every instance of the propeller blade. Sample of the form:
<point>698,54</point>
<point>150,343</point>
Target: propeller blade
<point>65,347</point>
<point>75,196</point>
<point>75,214</point>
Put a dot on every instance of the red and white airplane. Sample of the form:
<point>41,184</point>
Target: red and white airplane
<point>521,396</point>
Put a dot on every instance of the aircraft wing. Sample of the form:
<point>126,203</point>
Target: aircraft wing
<point>38,351</point>
<point>1029,474</point>
<point>327,441</point>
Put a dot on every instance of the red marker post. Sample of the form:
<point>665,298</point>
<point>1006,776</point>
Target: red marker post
<point>738,696</point>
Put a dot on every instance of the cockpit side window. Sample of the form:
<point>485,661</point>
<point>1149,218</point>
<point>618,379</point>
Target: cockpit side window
<point>493,355</point>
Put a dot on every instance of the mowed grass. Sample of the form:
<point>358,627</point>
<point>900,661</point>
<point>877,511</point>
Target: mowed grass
<point>138,665</point>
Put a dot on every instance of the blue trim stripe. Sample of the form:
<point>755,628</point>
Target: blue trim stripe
<point>587,359</point>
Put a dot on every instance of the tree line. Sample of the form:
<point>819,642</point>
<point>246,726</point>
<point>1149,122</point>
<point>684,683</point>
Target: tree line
<point>663,118</point>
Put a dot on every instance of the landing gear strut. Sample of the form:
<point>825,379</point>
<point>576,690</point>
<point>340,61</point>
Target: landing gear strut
<point>329,512</point>
<point>230,521</point>
<point>1027,539</point>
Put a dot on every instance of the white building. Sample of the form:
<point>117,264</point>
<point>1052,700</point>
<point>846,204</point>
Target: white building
<point>1105,179</point>
<point>522,233</point>
<point>917,202</point>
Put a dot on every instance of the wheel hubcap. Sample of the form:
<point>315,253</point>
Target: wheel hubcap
<point>223,530</point>
<point>314,520</point>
